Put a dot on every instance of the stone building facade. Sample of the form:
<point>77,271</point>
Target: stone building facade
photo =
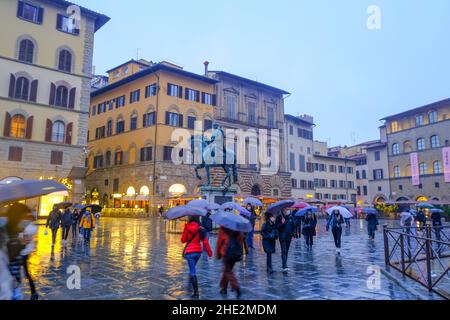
<point>244,104</point>
<point>45,63</point>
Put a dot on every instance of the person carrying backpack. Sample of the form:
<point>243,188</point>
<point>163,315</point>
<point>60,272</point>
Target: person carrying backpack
<point>194,236</point>
<point>229,249</point>
<point>67,221</point>
<point>335,222</point>
<point>75,221</point>
<point>54,221</point>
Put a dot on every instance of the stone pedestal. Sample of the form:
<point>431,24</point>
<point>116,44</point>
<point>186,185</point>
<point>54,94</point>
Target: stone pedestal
<point>218,195</point>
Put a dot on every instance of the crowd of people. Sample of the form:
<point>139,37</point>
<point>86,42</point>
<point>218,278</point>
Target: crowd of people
<point>17,242</point>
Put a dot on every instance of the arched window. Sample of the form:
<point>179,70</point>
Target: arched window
<point>17,126</point>
<point>395,149</point>
<point>396,172</point>
<point>435,141</point>
<point>108,158</point>
<point>133,121</point>
<point>58,132</point>
<point>437,167</point>
<point>423,168</point>
<point>65,61</point>
<point>22,88</point>
<point>109,128</point>
<point>407,147</point>
<point>433,117</point>
<point>421,144</point>
<point>61,97</point>
<point>26,51</point>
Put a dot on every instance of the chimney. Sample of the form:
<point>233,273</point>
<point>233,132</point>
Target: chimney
<point>206,63</point>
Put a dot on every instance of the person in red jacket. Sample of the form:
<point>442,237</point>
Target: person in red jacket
<point>194,236</point>
<point>229,249</point>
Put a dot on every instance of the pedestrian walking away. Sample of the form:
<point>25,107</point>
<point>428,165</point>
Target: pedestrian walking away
<point>269,234</point>
<point>309,223</point>
<point>75,222</point>
<point>372,223</point>
<point>335,221</point>
<point>207,223</point>
<point>229,249</point>
<point>286,231</point>
<point>54,221</point>
<point>88,224</point>
<point>421,219</point>
<point>252,219</point>
<point>194,236</point>
<point>67,221</point>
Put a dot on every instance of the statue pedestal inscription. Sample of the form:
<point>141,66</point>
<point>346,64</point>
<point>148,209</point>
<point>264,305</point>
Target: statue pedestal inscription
<point>218,195</point>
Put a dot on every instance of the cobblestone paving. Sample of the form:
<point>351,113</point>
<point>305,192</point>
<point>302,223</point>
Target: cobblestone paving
<point>137,259</point>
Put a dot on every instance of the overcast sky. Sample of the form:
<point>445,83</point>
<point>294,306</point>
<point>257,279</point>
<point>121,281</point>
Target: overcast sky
<point>345,75</point>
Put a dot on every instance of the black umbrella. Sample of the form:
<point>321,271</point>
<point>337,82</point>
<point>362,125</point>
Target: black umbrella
<point>95,208</point>
<point>64,205</point>
<point>26,189</point>
<point>280,205</point>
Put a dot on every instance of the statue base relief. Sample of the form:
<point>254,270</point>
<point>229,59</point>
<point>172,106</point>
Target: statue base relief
<point>219,195</point>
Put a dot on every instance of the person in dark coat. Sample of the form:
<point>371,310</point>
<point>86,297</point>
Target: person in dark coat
<point>309,222</point>
<point>67,221</point>
<point>372,223</point>
<point>298,224</point>
<point>252,220</point>
<point>286,231</point>
<point>75,221</point>
<point>207,223</point>
<point>436,222</point>
<point>421,219</point>
<point>335,221</point>
<point>53,222</point>
<point>269,234</point>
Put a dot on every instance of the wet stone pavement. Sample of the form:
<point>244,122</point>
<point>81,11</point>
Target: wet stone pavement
<point>137,259</point>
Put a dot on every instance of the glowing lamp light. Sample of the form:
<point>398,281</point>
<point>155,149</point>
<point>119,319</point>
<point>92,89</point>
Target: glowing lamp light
<point>131,191</point>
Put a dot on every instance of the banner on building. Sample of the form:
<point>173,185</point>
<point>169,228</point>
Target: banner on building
<point>446,162</point>
<point>415,175</point>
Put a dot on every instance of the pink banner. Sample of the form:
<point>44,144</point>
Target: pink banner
<point>415,175</point>
<point>446,162</point>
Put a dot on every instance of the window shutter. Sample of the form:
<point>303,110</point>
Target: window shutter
<point>20,9</point>
<point>48,130</point>
<point>167,117</point>
<point>186,93</point>
<point>214,97</point>
<point>180,92</point>
<point>69,133</point>
<point>72,95</point>
<point>33,92</point>
<point>12,85</point>
<point>169,86</point>
<point>52,94</point>
<point>142,154</point>
<point>139,95</point>
<point>7,126</point>
<point>29,129</point>
<point>203,97</point>
<point>59,19</point>
<point>197,96</point>
<point>40,15</point>
<point>180,120</point>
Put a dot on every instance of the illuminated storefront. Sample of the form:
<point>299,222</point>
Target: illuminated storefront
<point>46,202</point>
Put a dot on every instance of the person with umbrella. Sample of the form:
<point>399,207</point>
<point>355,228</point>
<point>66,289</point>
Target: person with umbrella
<point>88,224</point>
<point>285,225</point>
<point>436,221</point>
<point>207,223</point>
<point>6,279</point>
<point>54,221</point>
<point>309,222</point>
<point>67,221</point>
<point>372,222</point>
<point>421,218</point>
<point>335,221</point>
<point>269,234</point>
<point>229,249</point>
<point>75,223</point>
<point>194,237</point>
<point>252,219</point>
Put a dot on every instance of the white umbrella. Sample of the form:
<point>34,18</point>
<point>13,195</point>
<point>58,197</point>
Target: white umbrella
<point>184,211</point>
<point>344,211</point>
<point>202,203</point>
<point>253,201</point>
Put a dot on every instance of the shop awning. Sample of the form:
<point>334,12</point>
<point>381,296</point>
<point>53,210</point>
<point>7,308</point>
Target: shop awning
<point>128,198</point>
<point>142,197</point>
<point>77,173</point>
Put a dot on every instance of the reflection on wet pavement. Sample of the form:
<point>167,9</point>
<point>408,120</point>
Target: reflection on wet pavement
<point>137,259</point>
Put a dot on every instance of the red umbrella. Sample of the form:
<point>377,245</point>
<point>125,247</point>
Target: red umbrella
<point>300,205</point>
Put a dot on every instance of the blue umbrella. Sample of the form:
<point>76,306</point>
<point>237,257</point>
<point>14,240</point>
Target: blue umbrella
<point>274,208</point>
<point>213,206</point>
<point>436,210</point>
<point>184,211</point>
<point>253,201</point>
<point>303,211</point>
<point>369,211</point>
<point>232,221</point>
<point>234,206</point>
<point>202,203</point>
<point>425,205</point>
<point>26,189</point>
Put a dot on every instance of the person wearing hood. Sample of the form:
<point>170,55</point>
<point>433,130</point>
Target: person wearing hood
<point>88,224</point>
<point>53,222</point>
<point>67,221</point>
<point>195,240</point>
<point>75,222</point>
<point>285,225</point>
<point>269,234</point>
<point>436,222</point>
<point>309,222</point>
<point>372,223</point>
<point>335,221</point>
<point>252,219</point>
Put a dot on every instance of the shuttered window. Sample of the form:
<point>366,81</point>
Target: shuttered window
<point>56,158</point>
<point>30,12</point>
<point>15,154</point>
<point>26,51</point>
